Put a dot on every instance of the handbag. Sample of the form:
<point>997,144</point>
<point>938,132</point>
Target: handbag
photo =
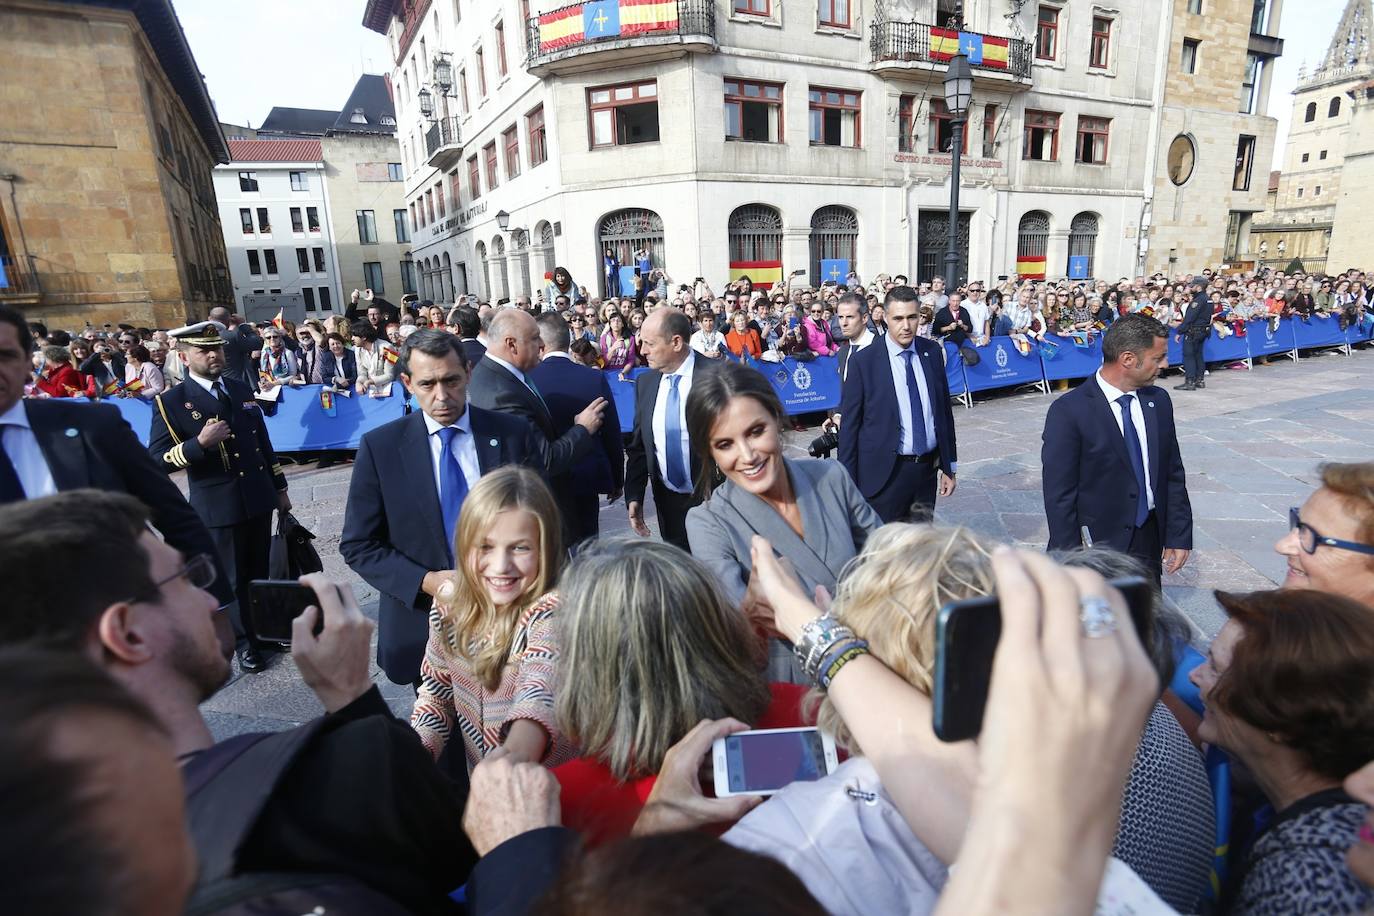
<point>291,554</point>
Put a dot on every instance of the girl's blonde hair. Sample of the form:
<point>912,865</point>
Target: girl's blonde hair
<point>890,595</point>
<point>472,628</point>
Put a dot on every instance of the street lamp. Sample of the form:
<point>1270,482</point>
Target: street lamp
<point>426,103</point>
<point>958,94</point>
<point>502,220</point>
<point>443,73</point>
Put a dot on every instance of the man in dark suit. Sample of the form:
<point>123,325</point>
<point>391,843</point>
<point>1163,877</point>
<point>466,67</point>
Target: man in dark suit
<point>408,485</point>
<point>660,451</point>
<point>1110,457</point>
<point>54,445</point>
<point>1193,332</point>
<point>899,466</point>
<point>500,382</point>
<point>852,315</point>
<point>211,426</point>
<point>569,389</point>
<point>469,326</point>
<point>241,341</point>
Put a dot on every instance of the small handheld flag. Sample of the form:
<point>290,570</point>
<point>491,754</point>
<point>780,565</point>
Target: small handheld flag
<point>280,320</point>
<point>327,403</point>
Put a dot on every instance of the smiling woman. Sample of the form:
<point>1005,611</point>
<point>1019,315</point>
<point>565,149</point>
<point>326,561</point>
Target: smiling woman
<point>810,510</point>
<point>1330,542</point>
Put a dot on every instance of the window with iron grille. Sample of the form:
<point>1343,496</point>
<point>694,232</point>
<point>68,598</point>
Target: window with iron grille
<point>1083,239</point>
<point>834,235</point>
<point>755,232</point>
<point>627,233</point>
<point>835,117</point>
<point>1092,140</point>
<point>1042,136</point>
<point>753,111</point>
<point>621,115</point>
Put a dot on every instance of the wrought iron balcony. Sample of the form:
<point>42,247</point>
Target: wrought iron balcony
<point>918,46</point>
<point>616,32</point>
<point>442,145</point>
<point>18,282</point>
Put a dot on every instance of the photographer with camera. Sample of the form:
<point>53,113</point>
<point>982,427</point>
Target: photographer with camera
<point>349,805</point>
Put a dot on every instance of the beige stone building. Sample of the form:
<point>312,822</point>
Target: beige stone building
<point>107,212</point>
<point>1325,133</point>
<point>1352,223</point>
<point>1215,140</point>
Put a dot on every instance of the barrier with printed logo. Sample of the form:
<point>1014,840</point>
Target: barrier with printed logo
<point>1318,332</point>
<point>1071,361</point>
<point>1001,365</point>
<point>1262,339</point>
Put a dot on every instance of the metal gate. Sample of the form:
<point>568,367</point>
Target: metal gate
<point>520,244</point>
<point>629,231</point>
<point>755,234</point>
<point>1083,239</point>
<point>1032,244</point>
<point>834,234</point>
<point>932,237</point>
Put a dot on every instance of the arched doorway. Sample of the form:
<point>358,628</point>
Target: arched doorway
<point>1082,246</point>
<point>498,254</point>
<point>486,271</point>
<point>834,240</point>
<point>543,231</point>
<point>635,236</point>
<point>520,245</point>
<point>755,240</point>
<point>447,277</point>
<point>426,280</point>
<point>1032,244</point>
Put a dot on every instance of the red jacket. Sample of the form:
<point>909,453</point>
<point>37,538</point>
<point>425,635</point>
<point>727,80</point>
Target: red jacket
<point>66,382</point>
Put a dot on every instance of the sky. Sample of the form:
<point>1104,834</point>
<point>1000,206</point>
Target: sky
<point>295,53</point>
<point>309,53</point>
<point>1306,27</point>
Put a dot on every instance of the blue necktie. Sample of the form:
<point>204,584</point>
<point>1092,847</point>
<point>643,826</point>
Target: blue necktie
<point>11,488</point>
<point>1142,505</point>
<point>453,486</point>
<point>678,476</point>
<point>918,414</point>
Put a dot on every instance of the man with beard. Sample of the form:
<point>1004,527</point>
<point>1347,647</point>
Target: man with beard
<point>140,610</point>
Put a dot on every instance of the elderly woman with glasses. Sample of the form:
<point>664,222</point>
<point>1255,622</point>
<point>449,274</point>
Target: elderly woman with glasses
<point>1330,542</point>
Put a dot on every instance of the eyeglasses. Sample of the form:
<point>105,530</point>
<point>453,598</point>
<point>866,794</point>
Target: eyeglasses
<point>199,571</point>
<point>1310,539</point>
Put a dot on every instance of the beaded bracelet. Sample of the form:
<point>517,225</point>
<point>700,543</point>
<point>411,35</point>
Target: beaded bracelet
<point>817,635</point>
<point>815,661</point>
<point>836,660</point>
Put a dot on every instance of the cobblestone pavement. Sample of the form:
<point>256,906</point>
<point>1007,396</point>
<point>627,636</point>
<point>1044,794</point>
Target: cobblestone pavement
<point>1251,443</point>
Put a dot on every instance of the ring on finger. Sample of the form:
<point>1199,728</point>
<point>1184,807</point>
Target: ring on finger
<point>1097,617</point>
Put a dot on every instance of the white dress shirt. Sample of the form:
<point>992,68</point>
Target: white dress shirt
<point>464,449</point>
<point>21,445</point>
<point>708,345</point>
<point>661,419</point>
<point>210,385</point>
<point>978,313</point>
<point>895,359</point>
<point>1137,420</point>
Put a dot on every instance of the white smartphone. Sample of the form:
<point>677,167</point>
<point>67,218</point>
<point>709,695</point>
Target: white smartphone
<point>765,761</point>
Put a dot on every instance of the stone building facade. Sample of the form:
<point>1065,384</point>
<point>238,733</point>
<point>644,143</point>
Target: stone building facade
<point>1215,140</point>
<point>107,211</point>
<point>1352,222</point>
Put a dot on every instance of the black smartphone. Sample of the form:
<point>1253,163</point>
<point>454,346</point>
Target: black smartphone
<point>277,602</point>
<point>966,634</point>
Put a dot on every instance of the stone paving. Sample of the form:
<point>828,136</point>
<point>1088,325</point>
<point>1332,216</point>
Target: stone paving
<point>1251,443</point>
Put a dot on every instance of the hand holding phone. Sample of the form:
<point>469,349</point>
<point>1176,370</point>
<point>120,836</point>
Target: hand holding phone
<point>765,761</point>
<point>330,639</point>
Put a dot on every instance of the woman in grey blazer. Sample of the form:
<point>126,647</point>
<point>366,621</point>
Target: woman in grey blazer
<point>809,510</point>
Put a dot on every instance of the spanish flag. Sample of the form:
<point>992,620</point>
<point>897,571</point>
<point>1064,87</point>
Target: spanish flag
<point>639,16</point>
<point>763,273</point>
<point>390,356</point>
<point>112,386</point>
<point>944,44</point>
<point>1030,268</point>
<point>561,28</point>
<point>981,50</point>
<point>135,385</point>
<point>280,320</point>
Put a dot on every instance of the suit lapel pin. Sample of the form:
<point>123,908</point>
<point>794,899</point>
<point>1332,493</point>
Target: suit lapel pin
<point>1150,404</point>
<point>71,433</point>
<point>494,443</point>
<point>188,405</point>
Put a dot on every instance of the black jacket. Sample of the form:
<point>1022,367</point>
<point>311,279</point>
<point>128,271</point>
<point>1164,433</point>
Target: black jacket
<point>493,387</point>
<point>1197,320</point>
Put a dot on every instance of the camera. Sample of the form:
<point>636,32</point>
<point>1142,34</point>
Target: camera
<point>823,445</point>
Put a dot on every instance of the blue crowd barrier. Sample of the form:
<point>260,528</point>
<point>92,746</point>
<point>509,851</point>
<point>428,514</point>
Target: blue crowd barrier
<point>623,393</point>
<point>1262,340</point>
<point>1227,349</point>
<point>1072,361</point>
<point>1360,333</point>
<point>1318,332</point>
<point>1001,365</point>
<point>300,423</point>
<point>138,412</point>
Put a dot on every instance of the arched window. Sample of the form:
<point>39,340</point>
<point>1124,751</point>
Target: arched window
<point>1311,114</point>
<point>1082,245</point>
<point>498,254</point>
<point>1032,243</point>
<point>486,270</point>
<point>834,238</point>
<point>543,234</point>
<point>520,244</point>
<point>630,234</point>
<point>755,232</point>
<point>446,280</point>
<point>426,280</point>
<point>1334,108</point>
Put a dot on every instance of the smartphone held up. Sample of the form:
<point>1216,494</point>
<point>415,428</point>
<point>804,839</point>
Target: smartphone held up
<point>765,761</point>
<point>275,604</point>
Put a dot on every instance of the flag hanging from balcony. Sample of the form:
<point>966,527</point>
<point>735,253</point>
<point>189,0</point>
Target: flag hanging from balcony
<point>1029,268</point>
<point>981,50</point>
<point>599,19</point>
<point>764,274</point>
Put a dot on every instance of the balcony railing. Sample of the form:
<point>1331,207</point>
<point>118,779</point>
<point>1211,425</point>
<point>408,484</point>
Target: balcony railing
<point>912,43</point>
<point>17,279</point>
<point>571,30</point>
<point>442,145</point>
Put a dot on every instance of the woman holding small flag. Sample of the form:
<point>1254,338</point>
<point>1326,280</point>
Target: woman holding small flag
<point>277,365</point>
<point>376,360</point>
<point>142,377</point>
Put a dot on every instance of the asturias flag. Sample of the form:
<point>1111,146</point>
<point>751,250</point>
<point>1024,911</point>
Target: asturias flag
<point>834,269</point>
<point>600,19</point>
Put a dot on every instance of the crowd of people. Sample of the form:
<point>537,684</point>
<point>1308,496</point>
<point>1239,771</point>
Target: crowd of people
<point>569,686</point>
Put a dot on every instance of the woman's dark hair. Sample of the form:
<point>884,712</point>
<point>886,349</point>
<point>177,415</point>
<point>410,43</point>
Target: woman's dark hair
<point>676,874</point>
<point>363,329</point>
<point>140,353</point>
<point>332,336</point>
<point>584,348</point>
<point>1303,673</point>
<point>711,395</point>
<point>22,330</point>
